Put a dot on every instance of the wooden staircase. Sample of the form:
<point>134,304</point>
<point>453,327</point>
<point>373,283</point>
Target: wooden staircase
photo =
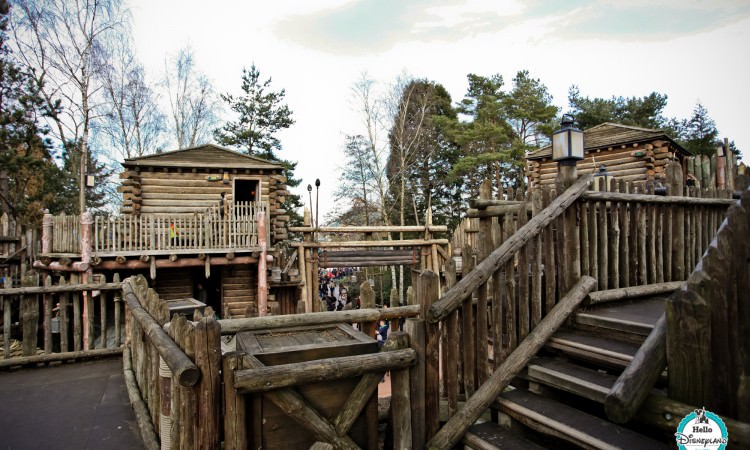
<point>557,401</point>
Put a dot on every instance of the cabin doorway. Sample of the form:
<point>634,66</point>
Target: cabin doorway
<point>246,191</point>
<point>208,290</point>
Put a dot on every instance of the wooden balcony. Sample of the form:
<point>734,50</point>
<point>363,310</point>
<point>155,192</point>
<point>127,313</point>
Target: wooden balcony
<point>213,231</point>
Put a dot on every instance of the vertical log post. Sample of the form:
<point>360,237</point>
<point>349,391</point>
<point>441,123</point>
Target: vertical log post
<point>29,315</point>
<point>415,328</point>
<point>87,222</point>
<point>401,412</point>
<point>165,410</point>
<point>674,175</point>
<point>428,291</point>
<point>484,247</point>
<point>48,223</point>
<point>567,174</point>
<point>47,305</point>
<point>208,359</point>
<point>235,430</point>
<point>262,272</point>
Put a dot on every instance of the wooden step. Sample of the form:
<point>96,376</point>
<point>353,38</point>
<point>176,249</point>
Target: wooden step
<point>637,317</point>
<point>490,436</point>
<point>597,349</point>
<point>569,377</point>
<point>569,424</point>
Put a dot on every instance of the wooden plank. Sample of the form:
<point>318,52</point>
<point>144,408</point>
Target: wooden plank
<point>589,347</point>
<point>457,425</point>
<point>491,436</point>
<point>569,377</point>
<point>566,422</point>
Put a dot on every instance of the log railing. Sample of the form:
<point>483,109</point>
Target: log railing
<point>235,228</point>
<point>177,408</point>
<point>544,243</point>
<point>44,322</point>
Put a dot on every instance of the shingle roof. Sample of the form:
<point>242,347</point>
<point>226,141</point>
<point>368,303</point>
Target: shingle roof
<point>204,156</point>
<point>610,134</point>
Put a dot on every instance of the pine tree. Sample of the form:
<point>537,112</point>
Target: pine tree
<point>699,132</point>
<point>27,172</point>
<point>261,112</point>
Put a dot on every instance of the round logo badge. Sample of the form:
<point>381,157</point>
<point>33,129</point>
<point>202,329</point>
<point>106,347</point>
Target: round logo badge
<point>701,430</point>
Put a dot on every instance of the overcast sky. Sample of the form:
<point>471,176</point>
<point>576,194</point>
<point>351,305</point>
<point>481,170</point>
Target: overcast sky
<point>690,50</point>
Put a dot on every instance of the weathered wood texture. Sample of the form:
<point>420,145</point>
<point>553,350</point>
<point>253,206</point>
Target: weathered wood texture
<point>457,425</point>
<point>53,311</point>
<point>634,384</point>
<point>708,336</point>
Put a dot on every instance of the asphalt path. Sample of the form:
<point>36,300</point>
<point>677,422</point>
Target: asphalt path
<point>82,405</point>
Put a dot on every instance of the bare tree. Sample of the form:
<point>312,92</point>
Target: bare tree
<point>57,40</point>
<point>131,121</point>
<point>192,99</point>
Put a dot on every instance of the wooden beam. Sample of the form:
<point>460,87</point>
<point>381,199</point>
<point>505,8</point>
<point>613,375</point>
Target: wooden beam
<point>268,378</point>
<point>184,370</point>
<point>475,406</point>
<point>350,244</point>
<point>295,406</point>
<point>233,326</point>
<point>631,292</point>
<point>634,384</point>
<point>484,270</point>
<point>656,199</point>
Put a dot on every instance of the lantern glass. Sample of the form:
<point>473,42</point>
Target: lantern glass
<point>567,142</point>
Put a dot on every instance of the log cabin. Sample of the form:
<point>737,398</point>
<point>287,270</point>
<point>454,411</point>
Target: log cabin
<point>629,153</point>
<point>200,223</point>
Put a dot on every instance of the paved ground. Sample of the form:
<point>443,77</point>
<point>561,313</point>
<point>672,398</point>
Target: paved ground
<point>80,405</point>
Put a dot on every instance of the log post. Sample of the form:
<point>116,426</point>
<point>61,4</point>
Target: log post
<point>428,291</point>
<point>674,175</point>
<point>367,301</point>
<point>165,410</point>
<point>48,224</point>
<point>208,359</point>
<point>457,425</point>
<point>634,384</point>
<point>415,328</point>
<point>262,272</point>
<point>29,315</point>
<point>400,397</point>
<point>235,430</point>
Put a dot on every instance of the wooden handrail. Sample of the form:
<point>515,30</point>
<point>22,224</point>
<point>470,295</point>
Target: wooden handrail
<point>372,229</point>
<point>233,326</point>
<point>484,270</point>
<point>457,425</point>
<point>58,289</point>
<point>634,384</point>
<point>184,370</point>
<point>655,199</point>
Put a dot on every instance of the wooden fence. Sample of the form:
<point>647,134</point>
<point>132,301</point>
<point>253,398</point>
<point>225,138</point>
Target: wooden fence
<point>43,322</point>
<point>530,254</point>
<point>134,234</point>
<point>708,336</point>
<point>18,248</point>
<point>188,393</point>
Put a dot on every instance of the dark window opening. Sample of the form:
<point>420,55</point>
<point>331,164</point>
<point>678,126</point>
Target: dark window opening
<point>246,191</point>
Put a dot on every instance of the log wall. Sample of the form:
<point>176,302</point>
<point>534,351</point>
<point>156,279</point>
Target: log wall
<point>173,284</point>
<point>239,291</point>
<point>639,163</point>
<point>189,191</point>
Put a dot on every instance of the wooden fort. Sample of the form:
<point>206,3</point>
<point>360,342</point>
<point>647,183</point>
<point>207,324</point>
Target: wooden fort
<point>587,313</point>
<point>199,222</point>
<point>629,153</point>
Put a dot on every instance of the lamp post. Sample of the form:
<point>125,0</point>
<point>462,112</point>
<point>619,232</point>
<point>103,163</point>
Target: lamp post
<point>567,148</point>
<point>317,197</point>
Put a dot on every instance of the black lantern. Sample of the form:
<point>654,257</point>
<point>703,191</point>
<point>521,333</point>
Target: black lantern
<point>567,142</point>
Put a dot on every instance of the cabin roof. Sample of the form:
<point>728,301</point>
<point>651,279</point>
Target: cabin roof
<point>610,134</point>
<point>204,156</point>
